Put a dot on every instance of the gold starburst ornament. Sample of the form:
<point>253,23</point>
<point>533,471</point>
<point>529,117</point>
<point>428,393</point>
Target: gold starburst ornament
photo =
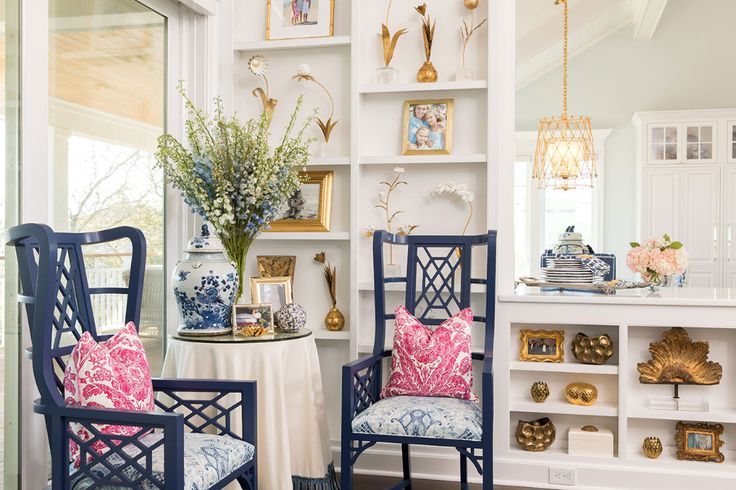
<point>258,66</point>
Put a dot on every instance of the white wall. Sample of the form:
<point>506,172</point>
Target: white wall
<point>689,64</point>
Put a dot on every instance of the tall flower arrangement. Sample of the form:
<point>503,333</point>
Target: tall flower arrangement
<point>230,176</point>
<point>656,258</point>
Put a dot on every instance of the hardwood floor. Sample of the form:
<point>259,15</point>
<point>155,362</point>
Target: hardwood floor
<point>363,482</point>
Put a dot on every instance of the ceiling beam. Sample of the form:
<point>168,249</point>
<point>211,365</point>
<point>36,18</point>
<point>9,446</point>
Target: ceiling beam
<point>647,17</point>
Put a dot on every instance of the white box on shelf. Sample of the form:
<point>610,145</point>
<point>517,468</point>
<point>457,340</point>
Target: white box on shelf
<point>597,444</point>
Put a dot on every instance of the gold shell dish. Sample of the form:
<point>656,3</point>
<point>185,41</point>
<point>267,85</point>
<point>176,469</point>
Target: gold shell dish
<point>536,435</point>
<point>539,391</point>
<point>678,360</point>
<point>584,394</point>
<point>592,350</point>
<point>652,447</point>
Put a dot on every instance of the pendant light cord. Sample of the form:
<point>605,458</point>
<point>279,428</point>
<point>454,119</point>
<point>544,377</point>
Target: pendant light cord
<point>564,61</point>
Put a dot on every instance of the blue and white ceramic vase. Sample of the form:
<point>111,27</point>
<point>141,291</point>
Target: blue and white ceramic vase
<point>205,283</point>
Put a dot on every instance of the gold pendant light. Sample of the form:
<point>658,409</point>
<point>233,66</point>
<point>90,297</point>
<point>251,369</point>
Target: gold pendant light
<point>565,155</point>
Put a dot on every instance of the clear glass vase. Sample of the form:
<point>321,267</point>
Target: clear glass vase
<point>387,75</point>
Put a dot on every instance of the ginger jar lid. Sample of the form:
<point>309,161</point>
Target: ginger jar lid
<point>205,243</point>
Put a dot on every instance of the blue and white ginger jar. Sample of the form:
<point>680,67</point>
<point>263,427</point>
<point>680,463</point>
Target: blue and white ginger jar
<point>205,283</point>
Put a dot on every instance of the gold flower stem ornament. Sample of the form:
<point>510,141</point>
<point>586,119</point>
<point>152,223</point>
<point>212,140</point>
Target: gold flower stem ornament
<point>384,199</point>
<point>259,67</point>
<point>304,74</point>
<point>466,32</point>
<point>334,319</point>
<point>427,72</point>
<point>389,42</point>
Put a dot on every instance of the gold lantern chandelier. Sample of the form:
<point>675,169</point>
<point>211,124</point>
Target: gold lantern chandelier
<point>565,155</point>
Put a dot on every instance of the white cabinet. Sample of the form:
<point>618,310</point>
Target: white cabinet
<point>688,188</point>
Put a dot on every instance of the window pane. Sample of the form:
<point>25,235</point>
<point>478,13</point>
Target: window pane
<point>565,208</point>
<point>106,110</point>
<point>522,245</point>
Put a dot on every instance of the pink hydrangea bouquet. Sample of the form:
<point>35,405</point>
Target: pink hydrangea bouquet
<point>657,258</point>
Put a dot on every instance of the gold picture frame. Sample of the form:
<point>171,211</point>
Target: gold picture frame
<point>412,123</point>
<point>314,203</point>
<point>699,442</point>
<point>535,345</point>
<point>304,31</point>
<point>275,291</point>
<point>265,319</point>
<point>276,266</point>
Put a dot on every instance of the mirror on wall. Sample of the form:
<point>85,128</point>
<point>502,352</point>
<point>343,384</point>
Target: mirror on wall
<point>655,79</point>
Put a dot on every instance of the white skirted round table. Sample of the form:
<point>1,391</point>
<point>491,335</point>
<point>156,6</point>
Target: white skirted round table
<point>293,438</point>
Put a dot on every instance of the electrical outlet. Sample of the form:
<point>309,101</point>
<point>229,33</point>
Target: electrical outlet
<point>562,476</point>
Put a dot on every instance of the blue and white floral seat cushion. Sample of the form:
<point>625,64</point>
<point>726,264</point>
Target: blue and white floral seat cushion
<point>207,460</point>
<point>418,416</point>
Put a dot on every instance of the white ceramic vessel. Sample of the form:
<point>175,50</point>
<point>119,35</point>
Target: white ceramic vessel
<point>205,283</point>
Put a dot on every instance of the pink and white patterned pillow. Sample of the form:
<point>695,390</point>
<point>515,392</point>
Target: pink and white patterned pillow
<point>431,363</point>
<point>112,374</point>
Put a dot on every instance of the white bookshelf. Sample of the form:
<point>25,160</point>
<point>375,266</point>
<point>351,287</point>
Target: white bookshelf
<point>424,87</point>
<point>305,236</point>
<point>291,44</point>
<point>568,367</point>
<point>422,159</point>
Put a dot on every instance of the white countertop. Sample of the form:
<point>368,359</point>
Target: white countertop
<point>660,297</point>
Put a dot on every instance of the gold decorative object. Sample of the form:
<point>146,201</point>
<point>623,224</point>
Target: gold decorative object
<point>314,193</point>
<point>384,199</point>
<point>389,43</point>
<point>565,155</point>
<point>304,74</point>
<point>699,442</point>
<point>592,350</point>
<point>584,394</point>
<point>427,72</point>
<point>276,266</point>
<point>259,67</point>
<point>536,435</point>
<point>652,447</point>
<point>471,4</point>
<point>542,345</point>
<point>539,391</point>
<point>589,428</point>
<point>678,360</point>
<point>334,319</point>
<point>466,32</point>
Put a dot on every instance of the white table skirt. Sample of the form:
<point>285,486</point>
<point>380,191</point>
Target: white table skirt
<point>293,436</point>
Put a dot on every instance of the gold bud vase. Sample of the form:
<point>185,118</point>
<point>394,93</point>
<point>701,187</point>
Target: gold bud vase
<point>584,394</point>
<point>471,4</point>
<point>539,391</point>
<point>334,320</point>
<point>427,73</point>
<point>652,447</point>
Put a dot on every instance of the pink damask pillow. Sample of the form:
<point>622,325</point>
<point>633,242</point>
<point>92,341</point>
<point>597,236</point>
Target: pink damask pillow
<point>431,363</point>
<point>113,374</point>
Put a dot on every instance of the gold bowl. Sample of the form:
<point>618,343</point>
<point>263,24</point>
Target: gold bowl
<point>535,435</point>
<point>584,394</point>
<point>592,350</point>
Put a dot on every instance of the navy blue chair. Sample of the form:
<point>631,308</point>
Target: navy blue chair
<point>433,294</point>
<point>161,455</point>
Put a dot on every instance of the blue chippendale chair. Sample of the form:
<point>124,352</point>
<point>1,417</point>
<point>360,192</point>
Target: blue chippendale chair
<point>433,294</point>
<point>161,455</point>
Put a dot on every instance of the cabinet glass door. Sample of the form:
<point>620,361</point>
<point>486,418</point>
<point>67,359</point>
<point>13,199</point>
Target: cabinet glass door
<point>663,144</point>
<point>731,142</point>
<point>700,142</point>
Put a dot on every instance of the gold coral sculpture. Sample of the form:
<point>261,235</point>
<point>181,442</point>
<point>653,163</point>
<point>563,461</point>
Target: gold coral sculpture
<point>676,359</point>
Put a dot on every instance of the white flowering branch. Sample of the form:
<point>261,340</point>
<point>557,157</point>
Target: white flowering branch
<point>458,191</point>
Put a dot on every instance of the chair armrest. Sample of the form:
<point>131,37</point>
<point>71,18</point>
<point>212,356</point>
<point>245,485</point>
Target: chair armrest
<point>132,453</point>
<point>361,383</point>
<point>201,413</point>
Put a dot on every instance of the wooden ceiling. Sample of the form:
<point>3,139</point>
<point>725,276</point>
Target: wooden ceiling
<point>119,71</point>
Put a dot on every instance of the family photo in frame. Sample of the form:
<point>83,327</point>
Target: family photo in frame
<point>427,127</point>
<point>295,19</point>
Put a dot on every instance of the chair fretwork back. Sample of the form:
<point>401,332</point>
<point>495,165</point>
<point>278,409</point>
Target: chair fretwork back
<point>438,279</point>
<point>57,296</point>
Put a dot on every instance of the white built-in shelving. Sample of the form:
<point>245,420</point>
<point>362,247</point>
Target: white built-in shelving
<point>600,409</point>
<point>424,87</point>
<point>422,159</point>
<point>292,44</point>
<point>305,236</point>
<point>568,367</point>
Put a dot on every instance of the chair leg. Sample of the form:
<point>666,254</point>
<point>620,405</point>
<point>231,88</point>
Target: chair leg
<point>488,470</point>
<point>346,469</point>
<point>463,472</point>
<point>406,465</point>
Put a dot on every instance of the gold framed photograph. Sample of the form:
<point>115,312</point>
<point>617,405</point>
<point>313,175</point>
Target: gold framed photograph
<point>275,291</point>
<point>245,316</point>
<point>277,266</point>
<point>427,128</point>
<point>295,19</point>
<point>542,345</point>
<point>699,442</point>
<point>310,207</point>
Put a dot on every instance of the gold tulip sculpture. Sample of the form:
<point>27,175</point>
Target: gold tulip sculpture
<point>304,74</point>
<point>259,67</point>
<point>427,72</point>
<point>389,42</point>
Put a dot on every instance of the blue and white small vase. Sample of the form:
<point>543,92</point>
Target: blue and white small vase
<point>205,283</point>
